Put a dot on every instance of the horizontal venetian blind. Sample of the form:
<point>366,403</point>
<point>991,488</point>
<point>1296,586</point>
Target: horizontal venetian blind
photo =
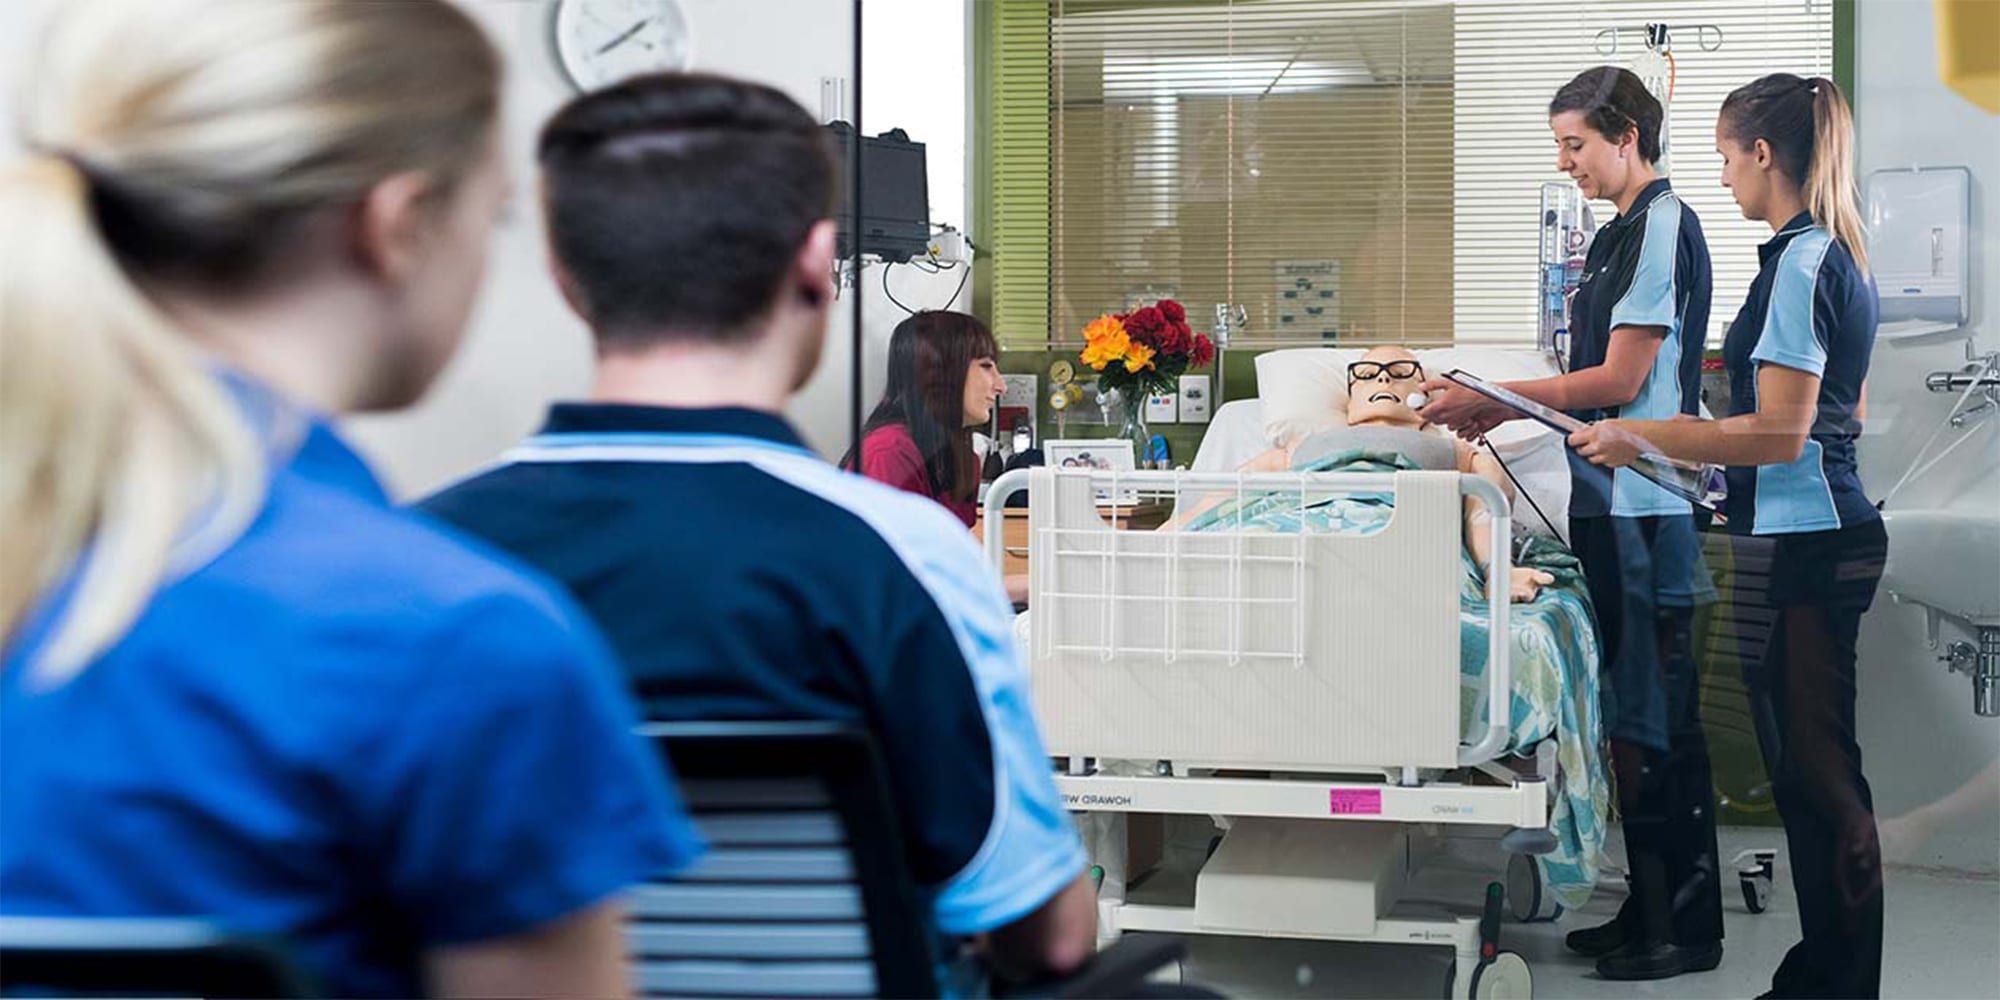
<point>1293,157</point>
<point>1509,58</point>
<point>1014,248</point>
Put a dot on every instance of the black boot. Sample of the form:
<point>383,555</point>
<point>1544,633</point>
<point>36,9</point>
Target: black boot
<point>1660,961</point>
<point>1654,961</point>
<point>1605,938</point>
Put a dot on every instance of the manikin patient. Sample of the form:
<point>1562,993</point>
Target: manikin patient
<point>1378,390</point>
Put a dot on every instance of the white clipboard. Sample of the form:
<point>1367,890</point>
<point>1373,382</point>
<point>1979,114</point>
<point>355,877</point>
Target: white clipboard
<point>1687,480</point>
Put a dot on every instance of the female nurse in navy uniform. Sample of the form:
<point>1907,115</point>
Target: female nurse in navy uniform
<point>1798,356</point>
<point>1637,326</point>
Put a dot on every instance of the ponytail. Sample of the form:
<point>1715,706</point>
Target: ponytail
<point>1810,130</point>
<point>127,461</point>
<point>116,434</point>
<point>1829,182</point>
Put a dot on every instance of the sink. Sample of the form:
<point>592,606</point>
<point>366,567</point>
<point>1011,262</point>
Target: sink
<point>1946,560</point>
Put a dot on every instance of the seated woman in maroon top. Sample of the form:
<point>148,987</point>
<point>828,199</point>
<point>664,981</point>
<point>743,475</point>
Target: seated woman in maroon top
<point>943,382</point>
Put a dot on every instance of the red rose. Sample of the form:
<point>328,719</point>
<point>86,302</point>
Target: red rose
<point>1147,326</point>
<point>1174,338</point>
<point>1203,352</point>
<point>1173,312</point>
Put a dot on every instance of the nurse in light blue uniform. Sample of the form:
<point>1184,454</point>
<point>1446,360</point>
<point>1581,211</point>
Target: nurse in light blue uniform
<point>236,683</point>
<point>1798,357</point>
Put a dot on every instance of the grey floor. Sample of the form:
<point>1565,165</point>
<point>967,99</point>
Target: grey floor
<point>1942,940</point>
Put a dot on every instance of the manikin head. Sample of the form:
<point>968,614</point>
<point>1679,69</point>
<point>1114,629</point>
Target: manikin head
<point>1379,385</point>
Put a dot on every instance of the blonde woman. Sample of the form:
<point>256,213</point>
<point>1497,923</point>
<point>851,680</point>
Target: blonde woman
<point>237,684</point>
<point>1798,357</point>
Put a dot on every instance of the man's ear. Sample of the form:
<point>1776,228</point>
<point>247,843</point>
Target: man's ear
<point>812,267</point>
<point>572,295</point>
<point>389,224</point>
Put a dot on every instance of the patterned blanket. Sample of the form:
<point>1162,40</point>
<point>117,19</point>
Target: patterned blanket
<point>1554,654</point>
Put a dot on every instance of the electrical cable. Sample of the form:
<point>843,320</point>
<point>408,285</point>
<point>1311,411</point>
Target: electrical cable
<point>960,290</point>
<point>955,293</point>
<point>1519,490</point>
<point>886,268</point>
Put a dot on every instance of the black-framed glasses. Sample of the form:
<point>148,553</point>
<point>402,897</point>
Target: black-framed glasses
<point>1362,371</point>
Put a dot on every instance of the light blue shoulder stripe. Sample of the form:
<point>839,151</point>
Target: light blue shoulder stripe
<point>1032,850</point>
<point>1790,335</point>
<point>663,439</point>
<point>1649,300</point>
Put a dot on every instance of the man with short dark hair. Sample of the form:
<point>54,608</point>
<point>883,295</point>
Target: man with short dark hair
<point>738,575</point>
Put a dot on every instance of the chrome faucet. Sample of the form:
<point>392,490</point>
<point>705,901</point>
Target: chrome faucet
<point>1982,664</point>
<point>1980,376</point>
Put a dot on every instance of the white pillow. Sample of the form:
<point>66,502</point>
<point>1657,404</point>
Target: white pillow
<point>1304,390</point>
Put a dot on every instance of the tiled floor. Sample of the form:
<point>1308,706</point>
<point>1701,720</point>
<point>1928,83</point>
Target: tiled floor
<point>1942,940</point>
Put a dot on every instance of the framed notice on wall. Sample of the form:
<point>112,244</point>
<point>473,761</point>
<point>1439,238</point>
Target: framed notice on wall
<point>1308,299</point>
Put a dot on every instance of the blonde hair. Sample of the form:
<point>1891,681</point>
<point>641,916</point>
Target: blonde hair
<point>1810,129</point>
<point>182,141</point>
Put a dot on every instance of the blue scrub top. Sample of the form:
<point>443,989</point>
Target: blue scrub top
<point>1647,267</point>
<point>352,730</point>
<point>1811,309</point>
<point>740,576</point>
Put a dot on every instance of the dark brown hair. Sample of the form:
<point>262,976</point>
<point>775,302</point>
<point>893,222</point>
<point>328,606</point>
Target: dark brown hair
<point>929,355</point>
<point>1613,99</point>
<point>677,202</point>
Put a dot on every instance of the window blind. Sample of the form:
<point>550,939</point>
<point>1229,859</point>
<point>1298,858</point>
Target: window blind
<point>1292,157</point>
<point>1350,170</point>
<point>1509,59</point>
<point>1014,174</point>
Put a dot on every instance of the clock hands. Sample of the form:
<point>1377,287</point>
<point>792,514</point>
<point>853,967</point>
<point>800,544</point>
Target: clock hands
<point>626,37</point>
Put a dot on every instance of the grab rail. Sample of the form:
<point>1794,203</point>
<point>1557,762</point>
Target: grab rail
<point>1499,667</point>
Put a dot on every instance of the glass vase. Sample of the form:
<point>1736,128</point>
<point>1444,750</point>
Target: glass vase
<point>1132,425</point>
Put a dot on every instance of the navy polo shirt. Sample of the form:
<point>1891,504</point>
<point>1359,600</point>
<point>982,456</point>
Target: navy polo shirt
<point>351,730</point>
<point>739,576</point>
<point>1647,267</point>
<point>1810,309</point>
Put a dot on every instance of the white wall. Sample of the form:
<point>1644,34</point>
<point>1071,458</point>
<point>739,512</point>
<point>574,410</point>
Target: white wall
<point>524,348</point>
<point>1918,734</point>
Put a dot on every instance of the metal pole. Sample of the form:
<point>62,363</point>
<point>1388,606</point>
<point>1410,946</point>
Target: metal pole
<point>854,401</point>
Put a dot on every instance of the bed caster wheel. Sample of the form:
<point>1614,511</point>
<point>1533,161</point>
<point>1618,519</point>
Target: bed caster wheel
<point>1756,893</point>
<point>1506,977</point>
<point>1528,899</point>
<point>1756,875</point>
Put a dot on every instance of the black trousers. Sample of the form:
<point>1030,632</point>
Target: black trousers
<point>1821,583</point>
<point>1639,572</point>
<point>1667,801</point>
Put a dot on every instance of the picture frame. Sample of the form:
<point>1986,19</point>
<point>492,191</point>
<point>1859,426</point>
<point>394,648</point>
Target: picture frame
<point>1100,454</point>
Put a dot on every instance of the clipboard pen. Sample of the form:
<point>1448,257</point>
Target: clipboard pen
<point>1687,480</point>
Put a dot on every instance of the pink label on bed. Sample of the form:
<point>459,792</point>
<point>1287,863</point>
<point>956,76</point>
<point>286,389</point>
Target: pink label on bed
<point>1354,801</point>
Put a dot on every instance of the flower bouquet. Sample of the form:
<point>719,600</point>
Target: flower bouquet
<point>1142,353</point>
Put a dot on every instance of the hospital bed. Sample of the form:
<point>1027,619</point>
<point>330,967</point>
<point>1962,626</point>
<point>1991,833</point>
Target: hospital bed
<point>1226,663</point>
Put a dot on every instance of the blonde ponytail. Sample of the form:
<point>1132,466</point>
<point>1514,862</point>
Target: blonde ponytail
<point>114,433</point>
<point>1829,187</point>
<point>1811,133</point>
<point>182,139</point>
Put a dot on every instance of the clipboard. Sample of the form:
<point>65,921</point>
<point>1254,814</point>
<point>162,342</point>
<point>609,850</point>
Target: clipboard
<point>1687,480</point>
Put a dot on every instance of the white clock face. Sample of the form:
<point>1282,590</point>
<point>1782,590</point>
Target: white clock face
<point>604,41</point>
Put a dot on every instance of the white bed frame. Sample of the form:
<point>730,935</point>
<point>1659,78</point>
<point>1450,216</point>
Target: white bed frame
<point>1232,652</point>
